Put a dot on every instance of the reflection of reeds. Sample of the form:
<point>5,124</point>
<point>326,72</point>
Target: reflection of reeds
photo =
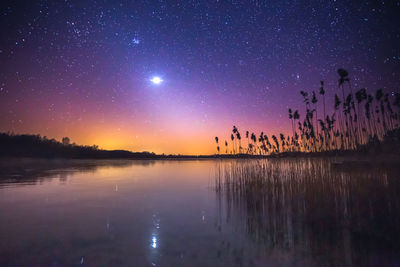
<point>288,204</point>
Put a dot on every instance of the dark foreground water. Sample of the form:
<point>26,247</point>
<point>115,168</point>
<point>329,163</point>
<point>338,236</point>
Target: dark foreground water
<point>305,212</point>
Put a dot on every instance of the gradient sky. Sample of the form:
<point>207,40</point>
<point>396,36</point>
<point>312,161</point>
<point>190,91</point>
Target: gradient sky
<point>82,68</point>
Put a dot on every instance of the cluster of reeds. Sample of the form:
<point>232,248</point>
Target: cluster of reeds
<point>357,119</point>
<point>307,204</point>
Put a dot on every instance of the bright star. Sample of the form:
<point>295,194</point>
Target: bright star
<point>156,80</point>
<point>135,41</point>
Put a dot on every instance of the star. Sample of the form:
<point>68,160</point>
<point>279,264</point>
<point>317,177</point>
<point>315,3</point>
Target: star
<point>135,41</point>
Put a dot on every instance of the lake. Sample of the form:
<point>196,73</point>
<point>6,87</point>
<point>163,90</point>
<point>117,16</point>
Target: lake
<point>304,212</point>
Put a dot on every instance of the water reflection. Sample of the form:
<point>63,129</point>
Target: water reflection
<point>166,213</point>
<point>154,242</point>
<point>31,171</point>
<point>314,210</point>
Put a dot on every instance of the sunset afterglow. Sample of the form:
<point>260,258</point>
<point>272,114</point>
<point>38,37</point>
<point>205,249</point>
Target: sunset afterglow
<point>145,78</point>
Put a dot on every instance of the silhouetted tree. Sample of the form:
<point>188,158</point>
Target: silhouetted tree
<point>65,141</point>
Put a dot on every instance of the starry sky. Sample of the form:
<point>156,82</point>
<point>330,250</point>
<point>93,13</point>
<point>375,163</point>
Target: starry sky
<point>83,68</point>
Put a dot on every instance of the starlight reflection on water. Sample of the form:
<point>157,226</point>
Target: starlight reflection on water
<point>168,213</point>
<point>154,242</point>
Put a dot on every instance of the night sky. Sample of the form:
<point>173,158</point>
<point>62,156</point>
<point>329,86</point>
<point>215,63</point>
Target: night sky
<point>83,69</point>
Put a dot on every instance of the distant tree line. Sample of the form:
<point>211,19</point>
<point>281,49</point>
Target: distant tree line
<point>13,145</point>
<point>359,121</point>
<point>36,146</point>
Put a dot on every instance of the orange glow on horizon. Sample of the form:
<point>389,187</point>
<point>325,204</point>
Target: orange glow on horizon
<point>186,138</point>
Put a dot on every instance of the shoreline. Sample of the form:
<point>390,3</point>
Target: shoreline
<point>283,155</point>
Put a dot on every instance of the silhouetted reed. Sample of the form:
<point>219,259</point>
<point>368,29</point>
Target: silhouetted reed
<point>357,121</point>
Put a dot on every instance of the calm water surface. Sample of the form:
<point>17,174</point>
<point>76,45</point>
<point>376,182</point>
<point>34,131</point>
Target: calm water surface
<point>168,213</point>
